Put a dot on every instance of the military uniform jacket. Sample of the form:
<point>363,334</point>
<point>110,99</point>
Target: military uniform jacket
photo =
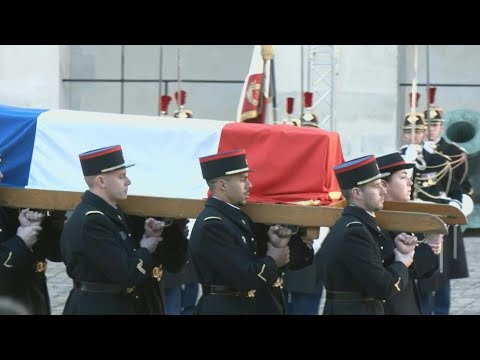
<point>452,268</point>
<point>307,280</point>
<point>460,171</point>
<point>223,250</point>
<point>352,262</point>
<point>170,255</point>
<point>97,247</point>
<point>270,300</point>
<point>435,163</point>
<point>186,275</point>
<point>22,271</point>
<point>425,262</point>
<point>174,280</point>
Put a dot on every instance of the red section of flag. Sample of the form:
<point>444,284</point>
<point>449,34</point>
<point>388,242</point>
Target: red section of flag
<point>253,106</point>
<point>292,163</point>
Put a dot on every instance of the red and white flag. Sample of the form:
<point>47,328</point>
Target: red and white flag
<point>255,94</point>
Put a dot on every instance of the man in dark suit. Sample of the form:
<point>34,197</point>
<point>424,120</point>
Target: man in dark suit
<point>113,272</point>
<point>27,239</point>
<point>354,276</point>
<point>223,243</point>
<point>425,260</point>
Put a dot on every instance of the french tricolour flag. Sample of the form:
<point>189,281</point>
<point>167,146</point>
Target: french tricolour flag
<point>39,150</point>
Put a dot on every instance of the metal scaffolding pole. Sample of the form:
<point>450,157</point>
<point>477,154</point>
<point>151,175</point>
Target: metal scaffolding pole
<point>321,62</point>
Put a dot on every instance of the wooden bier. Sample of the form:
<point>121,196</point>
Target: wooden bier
<point>449,214</point>
<point>311,217</point>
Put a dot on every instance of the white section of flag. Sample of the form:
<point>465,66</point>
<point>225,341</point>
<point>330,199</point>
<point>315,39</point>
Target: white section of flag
<point>164,149</point>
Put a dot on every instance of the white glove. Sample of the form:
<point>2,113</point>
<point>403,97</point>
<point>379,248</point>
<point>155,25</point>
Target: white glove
<point>411,153</point>
<point>456,203</point>
<point>427,145</point>
<point>467,204</point>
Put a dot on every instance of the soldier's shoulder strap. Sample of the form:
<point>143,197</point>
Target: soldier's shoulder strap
<point>354,223</point>
<point>91,212</point>
<point>209,218</point>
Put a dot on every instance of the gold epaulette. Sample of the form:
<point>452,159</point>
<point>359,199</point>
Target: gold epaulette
<point>94,212</point>
<point>213,218</point>
<point>354,222</point>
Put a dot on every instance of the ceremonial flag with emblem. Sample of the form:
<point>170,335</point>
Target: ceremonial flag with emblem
<point>39,150</point>
<point>255,93</point>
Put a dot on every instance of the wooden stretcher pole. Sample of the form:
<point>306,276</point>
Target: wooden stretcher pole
<point>306,216</point>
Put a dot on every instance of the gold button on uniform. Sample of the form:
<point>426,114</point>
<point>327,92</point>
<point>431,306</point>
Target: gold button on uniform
<point>157,272</point>
<point>278,282</point>
<point>40,266</point>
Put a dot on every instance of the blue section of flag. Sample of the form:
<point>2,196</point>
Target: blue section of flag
<point>17,135</point>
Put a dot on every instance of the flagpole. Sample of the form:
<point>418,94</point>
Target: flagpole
<point>273,90</point>
<point>413,104</point>
<point>160,78</point>
<point>301,79</point>
<point>179,79</point>
<point>428,82</point>
<point>267,56</point>
<point>122,80</point>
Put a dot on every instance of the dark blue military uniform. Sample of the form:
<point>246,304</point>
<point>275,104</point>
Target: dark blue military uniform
<point>111,273</point>
<point>225,259</point>
<point>460,172</point>
<point>170,255</point>
<point>22,271</point>
<point>453,268</point>
<point>270,300</point>
<point>425,262</point>
<point>354,275</point>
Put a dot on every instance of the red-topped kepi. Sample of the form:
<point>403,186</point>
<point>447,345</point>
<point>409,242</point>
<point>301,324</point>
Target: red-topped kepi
<point>181,112</point>
<point>164,102</point>
<point>224,164</point>
<point>308,118</point>
<point>358,172</point>
<point>103,160</point>
<point>414,119</point>
<point>434,113</point>
<point>393,162</point>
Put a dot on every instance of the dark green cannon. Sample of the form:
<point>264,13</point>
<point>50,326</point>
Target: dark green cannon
<point>463,128</point>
